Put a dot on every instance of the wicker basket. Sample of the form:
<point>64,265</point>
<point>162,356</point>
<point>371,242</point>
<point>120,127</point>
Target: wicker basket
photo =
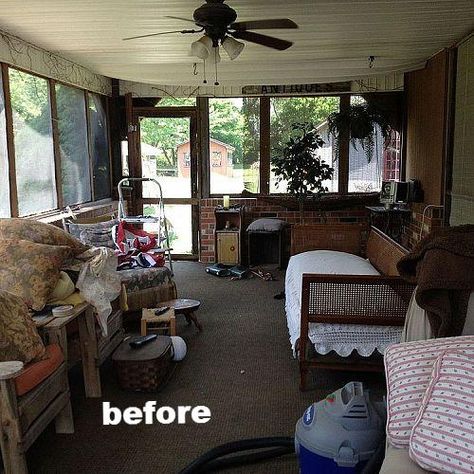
<point>144,369</point>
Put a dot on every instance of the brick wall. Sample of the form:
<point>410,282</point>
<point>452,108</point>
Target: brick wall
<point>418,226</point>
<point>256,208</point>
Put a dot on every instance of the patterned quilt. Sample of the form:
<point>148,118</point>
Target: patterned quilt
<point>137,279</point>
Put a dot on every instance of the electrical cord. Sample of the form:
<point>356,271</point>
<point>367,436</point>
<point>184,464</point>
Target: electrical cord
<point>211,460</point>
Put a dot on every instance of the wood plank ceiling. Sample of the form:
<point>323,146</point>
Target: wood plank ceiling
<point>333,42</point>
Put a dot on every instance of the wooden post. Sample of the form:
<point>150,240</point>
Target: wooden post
<point>10,430</point>
<point>344,151</point>
<point>89,354</point>
<point>264,145</point>
<point>10,142</point>
<point>64,421</point>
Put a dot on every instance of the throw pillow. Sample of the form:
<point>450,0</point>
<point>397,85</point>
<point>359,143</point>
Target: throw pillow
<point>442,439</point>
<point>30,270</point>
<point>97,234</point>
<point>408,369</point>
<point>266,225</point>
<point>39,232</point>
<point>19,339</point>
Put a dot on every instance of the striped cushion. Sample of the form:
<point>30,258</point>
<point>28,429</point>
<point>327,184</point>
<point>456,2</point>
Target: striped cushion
<point>442,438</point>
<point>408,368</point>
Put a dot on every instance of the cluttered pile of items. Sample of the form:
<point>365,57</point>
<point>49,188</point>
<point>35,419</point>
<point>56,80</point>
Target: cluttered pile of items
<point>238,272</point>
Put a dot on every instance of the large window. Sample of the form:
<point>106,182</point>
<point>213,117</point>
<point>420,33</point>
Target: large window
<point>4,181</point>
<point>99,143</point>
<point>33,139</point>
<point>234,132</point>
<point>247,134</point>
<point>286,111</point>
<point>59,136</point>
<point>368,168</point>
<point>73,144</point>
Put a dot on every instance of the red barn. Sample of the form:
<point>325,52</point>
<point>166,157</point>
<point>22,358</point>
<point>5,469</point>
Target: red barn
<point>220,153</point>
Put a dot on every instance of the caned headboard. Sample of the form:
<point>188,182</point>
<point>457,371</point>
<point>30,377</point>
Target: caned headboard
<point>384,253</point>
<point>341,237</point>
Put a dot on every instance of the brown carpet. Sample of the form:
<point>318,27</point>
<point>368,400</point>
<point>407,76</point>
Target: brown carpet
<point>240,366</point>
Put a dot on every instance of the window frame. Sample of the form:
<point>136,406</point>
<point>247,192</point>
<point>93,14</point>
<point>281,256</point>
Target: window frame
<point>14,210</point>
<point>265,147</point>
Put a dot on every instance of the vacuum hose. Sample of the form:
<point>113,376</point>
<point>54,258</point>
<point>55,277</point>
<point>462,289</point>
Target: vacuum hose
<point>211,460</point>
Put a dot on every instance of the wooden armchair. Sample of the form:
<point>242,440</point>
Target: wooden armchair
<point>31,397</point>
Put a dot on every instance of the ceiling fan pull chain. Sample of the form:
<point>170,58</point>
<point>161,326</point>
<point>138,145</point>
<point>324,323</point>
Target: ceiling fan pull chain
<point>216,83</point>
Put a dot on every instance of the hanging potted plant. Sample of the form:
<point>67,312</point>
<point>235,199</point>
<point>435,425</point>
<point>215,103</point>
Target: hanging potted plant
<point>300,166</point>
<point>362,123</point>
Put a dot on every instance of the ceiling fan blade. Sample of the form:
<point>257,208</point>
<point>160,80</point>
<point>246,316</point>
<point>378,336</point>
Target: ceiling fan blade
<point>162,33</point>
<point>281,23</point>
<point>264,40</point>
<point>179,18</point>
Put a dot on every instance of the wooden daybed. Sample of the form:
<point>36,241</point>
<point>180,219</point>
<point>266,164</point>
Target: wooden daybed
<point>357,301</point>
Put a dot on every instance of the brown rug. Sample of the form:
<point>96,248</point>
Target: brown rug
<point>240,366</point>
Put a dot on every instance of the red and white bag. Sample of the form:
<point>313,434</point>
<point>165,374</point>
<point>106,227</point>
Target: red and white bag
<point>129,238</point>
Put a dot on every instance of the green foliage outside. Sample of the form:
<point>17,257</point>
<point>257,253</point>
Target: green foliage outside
<point>33,142</point>
<point>287,111</point>
<point>72,127</point>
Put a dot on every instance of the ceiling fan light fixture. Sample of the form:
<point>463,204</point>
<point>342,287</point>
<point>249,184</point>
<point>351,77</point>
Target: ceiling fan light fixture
<point>232,47</point>
<point>202,48</point>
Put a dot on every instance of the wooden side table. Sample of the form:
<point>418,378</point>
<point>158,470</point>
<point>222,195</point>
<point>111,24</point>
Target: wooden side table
<point>186,307</point>
<point>56,333</point>
<point>151,322</point>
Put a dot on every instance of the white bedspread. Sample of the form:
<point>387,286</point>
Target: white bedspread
<point>342,338</point>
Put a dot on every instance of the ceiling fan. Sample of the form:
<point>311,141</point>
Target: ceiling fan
<point>217,21</point>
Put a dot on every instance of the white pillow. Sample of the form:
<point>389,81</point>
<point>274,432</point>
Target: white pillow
<point>442,438</point>
<point>408,368</point>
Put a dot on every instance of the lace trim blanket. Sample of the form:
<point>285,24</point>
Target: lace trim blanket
<point>341,338</point>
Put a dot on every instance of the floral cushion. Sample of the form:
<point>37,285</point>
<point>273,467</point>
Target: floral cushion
<point>138,279</point>
<point>19,339</point>
<point>442,439</point>
<point>31,270</point>
<point>39,232</point>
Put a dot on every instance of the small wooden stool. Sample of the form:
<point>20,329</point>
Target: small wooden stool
<point>151,322</point>
<point>186,307</point>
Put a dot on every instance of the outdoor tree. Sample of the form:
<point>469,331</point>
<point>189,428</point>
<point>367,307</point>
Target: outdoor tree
<point>165,134</point>
<point>226,124</point>
<point>286,111</point>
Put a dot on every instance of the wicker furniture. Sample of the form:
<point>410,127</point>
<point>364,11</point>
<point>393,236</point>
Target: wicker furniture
<point>186,307</point>
<point>150,322</point>
<point>371,300</point>
<point>143,369</point>
<point>24,417</point>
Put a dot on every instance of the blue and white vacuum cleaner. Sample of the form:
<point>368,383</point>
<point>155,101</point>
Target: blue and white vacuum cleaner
<point>340,433</point>
<point>336,435</point>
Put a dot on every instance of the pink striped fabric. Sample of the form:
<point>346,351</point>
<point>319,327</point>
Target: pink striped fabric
<point>442,438</point>
<point>408,368</point>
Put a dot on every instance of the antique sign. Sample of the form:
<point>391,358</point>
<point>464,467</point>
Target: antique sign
<point>295,89</point>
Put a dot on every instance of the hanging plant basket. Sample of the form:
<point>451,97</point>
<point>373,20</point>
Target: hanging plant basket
<point>361,122</point>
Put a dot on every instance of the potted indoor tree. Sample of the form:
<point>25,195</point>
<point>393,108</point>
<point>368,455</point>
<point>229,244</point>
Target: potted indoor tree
<point>361,122</point>
<point>300,166</point>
